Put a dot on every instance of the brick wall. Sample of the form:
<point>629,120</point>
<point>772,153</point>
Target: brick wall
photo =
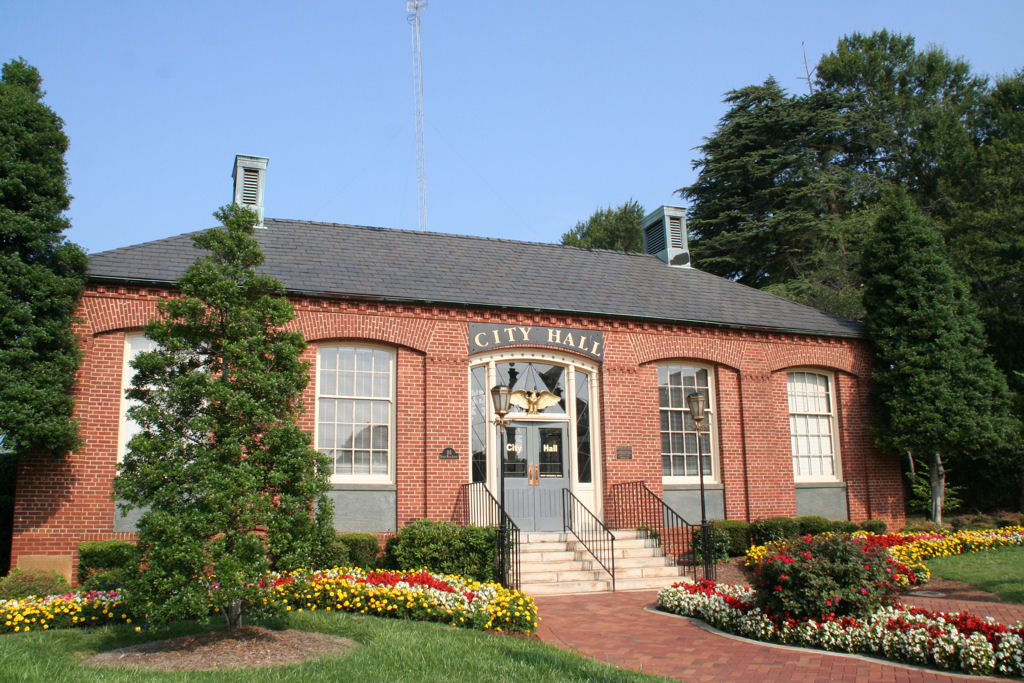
<point>61,504</point>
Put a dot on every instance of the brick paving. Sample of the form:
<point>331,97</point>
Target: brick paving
<point>614,628</point>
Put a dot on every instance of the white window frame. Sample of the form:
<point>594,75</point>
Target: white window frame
<point>830,415</point>
<point>388,478</point>
<point>126,430</point>
<point>710,426</point>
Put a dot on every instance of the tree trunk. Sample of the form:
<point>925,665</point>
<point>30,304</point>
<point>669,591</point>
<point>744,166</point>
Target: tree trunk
<point>937,477</point>
<point>233,616</point>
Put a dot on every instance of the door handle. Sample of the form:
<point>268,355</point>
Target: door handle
<point>534,472</point>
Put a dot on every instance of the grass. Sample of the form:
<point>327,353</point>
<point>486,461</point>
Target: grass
<point>999,571</point>
<point>390,650</point>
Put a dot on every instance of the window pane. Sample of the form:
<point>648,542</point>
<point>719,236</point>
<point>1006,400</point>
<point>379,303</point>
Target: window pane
<point>811,424</point>
<point>583,464</point>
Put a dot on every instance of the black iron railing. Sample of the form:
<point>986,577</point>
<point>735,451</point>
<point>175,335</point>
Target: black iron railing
<point>589,531</point>
<point>632,505</point>
<point>479,508</point>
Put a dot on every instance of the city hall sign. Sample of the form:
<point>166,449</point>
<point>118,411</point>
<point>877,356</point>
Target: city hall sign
<point>485,336</point>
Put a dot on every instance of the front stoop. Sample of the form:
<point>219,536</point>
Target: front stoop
<point>553,563</point>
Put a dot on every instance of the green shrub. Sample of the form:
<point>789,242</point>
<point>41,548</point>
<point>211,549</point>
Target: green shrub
<point>773,529</point>
<point>843,526</point>
<point>21,583</point>
<point>739,535</point>
<point>333,553</point>
<point>875,526</point>
<point>719,540</point>
<point>111,557</point>
<point>362,549</point>
<point>443,547</point>
<point>813,525</point>
<point>822,575</point>
<point>919,524</point>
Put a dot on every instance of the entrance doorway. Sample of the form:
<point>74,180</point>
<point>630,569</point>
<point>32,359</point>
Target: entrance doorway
<point>535,473</point>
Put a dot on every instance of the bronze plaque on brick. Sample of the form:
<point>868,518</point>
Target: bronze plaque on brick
<point>623,452</point>
<point>449,454</point>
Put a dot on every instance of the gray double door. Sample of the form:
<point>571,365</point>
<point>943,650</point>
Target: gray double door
<point>536,470</point>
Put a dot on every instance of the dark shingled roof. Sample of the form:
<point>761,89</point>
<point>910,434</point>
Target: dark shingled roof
<point>329,259</point>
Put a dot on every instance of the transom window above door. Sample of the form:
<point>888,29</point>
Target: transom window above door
<point>537,388</point>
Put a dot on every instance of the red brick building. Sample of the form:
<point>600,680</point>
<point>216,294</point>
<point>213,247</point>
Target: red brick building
<point>407,333</point>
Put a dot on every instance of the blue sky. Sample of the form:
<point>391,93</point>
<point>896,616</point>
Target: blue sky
<point>536,113</point>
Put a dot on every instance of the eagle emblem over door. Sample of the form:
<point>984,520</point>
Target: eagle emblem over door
<point>532,401</point>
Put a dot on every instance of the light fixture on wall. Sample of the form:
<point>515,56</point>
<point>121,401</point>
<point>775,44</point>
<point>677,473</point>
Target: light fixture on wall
<point>697,403</point>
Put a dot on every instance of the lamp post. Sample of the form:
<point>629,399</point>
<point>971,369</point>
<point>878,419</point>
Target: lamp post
<point>697,403</point>
<point>500,397</point>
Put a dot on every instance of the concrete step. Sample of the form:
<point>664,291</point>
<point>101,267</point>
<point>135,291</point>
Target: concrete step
<point>565,587</point>
<point>649,583</point>
<point>644,561</point>
<point>644,572</point>
<point>562,566</point>
<point>577,575</point>
<point>548,555</point>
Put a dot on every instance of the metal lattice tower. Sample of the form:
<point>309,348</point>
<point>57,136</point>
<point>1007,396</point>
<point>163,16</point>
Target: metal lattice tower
<point>413,7</point>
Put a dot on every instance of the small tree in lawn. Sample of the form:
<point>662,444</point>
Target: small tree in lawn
<point>228,482</point>
<point>939,394</point>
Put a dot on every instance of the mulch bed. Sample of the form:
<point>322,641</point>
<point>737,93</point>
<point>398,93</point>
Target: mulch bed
<point>250,647</point>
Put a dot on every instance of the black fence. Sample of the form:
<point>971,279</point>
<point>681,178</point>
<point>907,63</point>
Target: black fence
<point>632,505</point>
<point>478,507</point>
<point>588,530</point>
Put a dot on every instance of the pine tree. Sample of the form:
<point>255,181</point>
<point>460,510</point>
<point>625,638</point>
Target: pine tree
<point>228,481</point>
<point>939,394</point>
<point>41,274</point>
<point>618,229</point>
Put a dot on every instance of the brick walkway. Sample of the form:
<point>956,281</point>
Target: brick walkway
<point>614,628</point>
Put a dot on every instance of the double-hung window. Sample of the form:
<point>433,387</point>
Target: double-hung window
<point>678,430</point>
<point>812,426</point>
<point>355,411</point>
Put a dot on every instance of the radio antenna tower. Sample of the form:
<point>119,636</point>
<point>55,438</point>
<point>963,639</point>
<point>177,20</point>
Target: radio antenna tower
<point>413,7</point>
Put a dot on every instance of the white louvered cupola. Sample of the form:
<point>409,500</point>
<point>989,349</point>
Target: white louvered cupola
<point>665,235</point>
<point>250,176</point>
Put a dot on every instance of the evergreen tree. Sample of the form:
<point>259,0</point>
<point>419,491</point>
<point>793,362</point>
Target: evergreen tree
<point>41,274</point>
<point>939,395</point>
<point>618,229</point>
<point>41,277</point>
<point>228,482</point>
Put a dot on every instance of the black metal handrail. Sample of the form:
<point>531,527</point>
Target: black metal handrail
<point>631,505</point>
<point>589,531</point>
<point>480,508</point>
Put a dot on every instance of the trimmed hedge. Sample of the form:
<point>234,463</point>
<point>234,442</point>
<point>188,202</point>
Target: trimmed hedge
<point>845,527</point>
<point>739,535</point>
<point>105,565</point>
<point>444,548</point>
<point>363,549</point>
<point>773,529</point>
<point>875,526</point>
<point>720,542</point>
<point>21,583</point>
<point>813,525</point>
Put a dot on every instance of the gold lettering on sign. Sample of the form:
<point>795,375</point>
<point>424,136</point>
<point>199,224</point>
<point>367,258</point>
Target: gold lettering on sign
<point>551,448</point>
<point>513,448</point>
<point>479,340</point>
<point>526,333</point>
<point>554,336</point>
<point>594,350</point>
<point>569,340</point>
<point>497,339</point>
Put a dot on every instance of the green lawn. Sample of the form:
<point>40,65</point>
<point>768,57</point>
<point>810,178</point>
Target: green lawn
<point>998,571</point>
<point>390,650</point>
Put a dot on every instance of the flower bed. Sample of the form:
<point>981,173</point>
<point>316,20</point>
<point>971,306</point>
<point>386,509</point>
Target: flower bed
<point>955,641</point>
<point>410,595</point>
<point>406,595</point>
<point>912,549</point>
<point>61,611</point>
